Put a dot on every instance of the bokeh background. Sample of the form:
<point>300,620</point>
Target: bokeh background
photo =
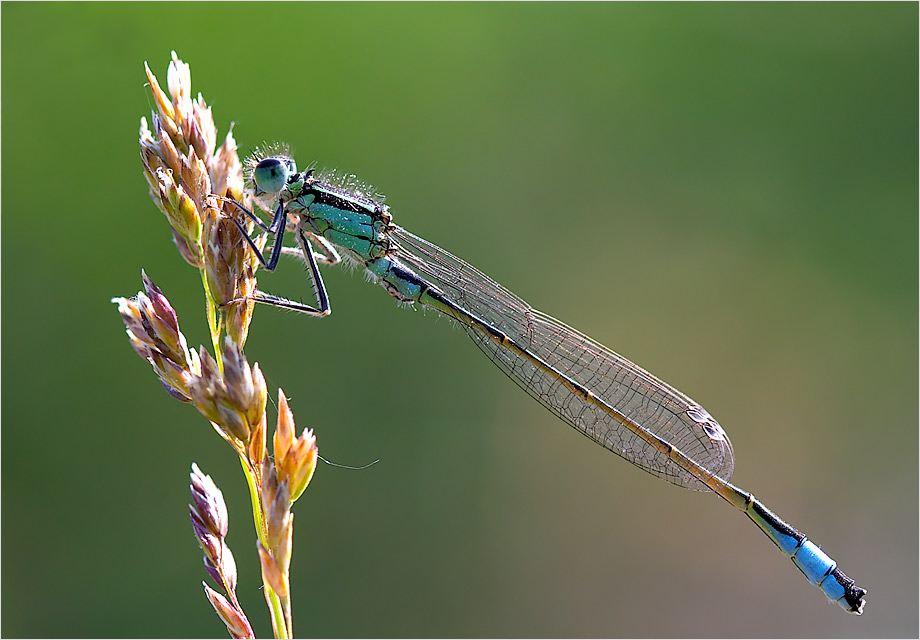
<point>725,194</point>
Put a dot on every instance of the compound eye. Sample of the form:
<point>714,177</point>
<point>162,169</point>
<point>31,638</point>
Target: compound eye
<point>271,174</point>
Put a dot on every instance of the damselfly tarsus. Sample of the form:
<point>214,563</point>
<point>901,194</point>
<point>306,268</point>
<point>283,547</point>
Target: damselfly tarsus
<point>606,397</point>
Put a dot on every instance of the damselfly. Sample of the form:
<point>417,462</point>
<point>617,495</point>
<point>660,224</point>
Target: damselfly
<point>612,401</point>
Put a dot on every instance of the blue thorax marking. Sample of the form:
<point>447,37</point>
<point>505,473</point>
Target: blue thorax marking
<point>349,221</point>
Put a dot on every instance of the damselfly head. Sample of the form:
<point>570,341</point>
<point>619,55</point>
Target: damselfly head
<point>271,174</point>
<point>268,168</point>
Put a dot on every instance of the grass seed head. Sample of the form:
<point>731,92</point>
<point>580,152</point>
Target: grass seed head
<point>233,422</point>
<point>184,169</point>
<point>205,387</point>
<point>164,104</point>
<point>236,622</point>
<point>300,463</point>
<point>166,145</point>
<point>210,523</point>
<point>234,401</point>
<point>295,459</point>
<point>153,329</point>
<point>284,430</point>
<point>285,549</point>
<point>209,542</point>
<point>194,173</point>
<point>227,170</point>
<point>183,140</point>
<point>190,251</point>
<point>208,503</point>
<point>230,266</point>
<point>175,379</point>
<point>257,444</point>
<point>272,575</point>
<point>278,514</point>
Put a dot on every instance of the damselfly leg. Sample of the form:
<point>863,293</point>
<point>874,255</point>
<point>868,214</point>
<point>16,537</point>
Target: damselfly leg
<point>327,254</point>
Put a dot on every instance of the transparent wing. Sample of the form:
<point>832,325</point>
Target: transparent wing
<point>635,393</point>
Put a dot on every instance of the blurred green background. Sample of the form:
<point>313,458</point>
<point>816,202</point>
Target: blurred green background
<point>725,194</point>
